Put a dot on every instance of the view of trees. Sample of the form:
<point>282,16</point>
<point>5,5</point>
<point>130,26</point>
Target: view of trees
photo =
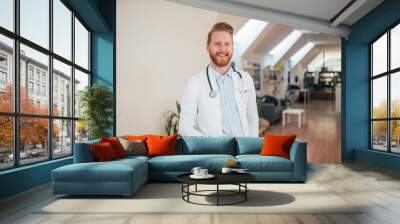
<point>34,131</point>
<point>379,128</point>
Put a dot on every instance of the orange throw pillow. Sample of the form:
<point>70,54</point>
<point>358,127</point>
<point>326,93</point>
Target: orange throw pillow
<point>161,145</point>
<point>136,137</point>
<point>103,152</point>
<point>277,145</point>
<point>116,145</point>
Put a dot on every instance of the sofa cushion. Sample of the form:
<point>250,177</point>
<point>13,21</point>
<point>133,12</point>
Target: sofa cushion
<point>116,145</point>
<point>103,152</point>
<point>185,163</point>
<point>249,145</point>
<point>257,163</point>
<point>112,171</point>
<point>161,145</point>
<point>190,145</point>
<point>134,147</point>
<point>277,145</point>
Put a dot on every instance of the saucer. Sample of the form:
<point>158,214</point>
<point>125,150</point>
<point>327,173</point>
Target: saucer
<point>208,176</point>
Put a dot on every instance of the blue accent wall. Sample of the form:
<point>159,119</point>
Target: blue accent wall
<point>355,99</point>
<point>100,16</point>
<point>103,51</point>
<point>24,178</point>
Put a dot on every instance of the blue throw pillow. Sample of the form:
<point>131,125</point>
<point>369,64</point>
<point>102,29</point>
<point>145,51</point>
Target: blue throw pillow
<point>249,145</point>
<point>206,145</point>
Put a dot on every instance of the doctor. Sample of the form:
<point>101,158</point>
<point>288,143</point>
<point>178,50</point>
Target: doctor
<point>220,100</point>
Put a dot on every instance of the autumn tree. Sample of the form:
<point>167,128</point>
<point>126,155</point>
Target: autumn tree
<point>380,127</point>
<point>33,131</point>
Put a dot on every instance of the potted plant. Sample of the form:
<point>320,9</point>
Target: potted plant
<point>96,102</point>
<point>172,122</point>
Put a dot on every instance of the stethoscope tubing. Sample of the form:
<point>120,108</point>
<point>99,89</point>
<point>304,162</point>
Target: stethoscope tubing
<point>212,93</point>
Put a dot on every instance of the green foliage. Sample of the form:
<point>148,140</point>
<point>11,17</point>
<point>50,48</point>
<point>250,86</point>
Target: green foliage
<point>172,123</point>
<point>97,104</point>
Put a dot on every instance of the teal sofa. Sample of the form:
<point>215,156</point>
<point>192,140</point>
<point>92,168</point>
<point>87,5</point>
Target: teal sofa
<point>125,176</point>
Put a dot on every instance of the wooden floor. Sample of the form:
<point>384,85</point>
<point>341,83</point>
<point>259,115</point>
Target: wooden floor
<point>321,132</point>
<point>377,189</point>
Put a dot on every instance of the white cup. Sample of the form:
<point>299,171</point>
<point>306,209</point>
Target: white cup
<point>203,172</point>
<point>196,171</point>
<point>226,170</point>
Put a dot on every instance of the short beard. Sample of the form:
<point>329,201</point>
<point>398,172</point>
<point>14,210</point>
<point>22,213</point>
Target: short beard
<point>214,59</point>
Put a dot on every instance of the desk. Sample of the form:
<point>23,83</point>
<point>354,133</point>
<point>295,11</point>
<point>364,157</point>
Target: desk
<point>301,116</point>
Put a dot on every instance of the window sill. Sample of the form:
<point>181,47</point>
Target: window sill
<point>26,167</point>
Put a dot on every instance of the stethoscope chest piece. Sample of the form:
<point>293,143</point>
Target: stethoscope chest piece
<point>212,94</point>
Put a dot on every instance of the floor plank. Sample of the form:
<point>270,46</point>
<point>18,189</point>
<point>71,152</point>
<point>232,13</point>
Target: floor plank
<point>376,189</point>
<point>321,132</point>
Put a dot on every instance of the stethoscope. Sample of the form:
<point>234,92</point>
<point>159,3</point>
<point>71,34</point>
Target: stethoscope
<point>213,93</point>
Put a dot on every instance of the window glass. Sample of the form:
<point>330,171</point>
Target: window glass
<point>6,74</point>
<point>62,29</point>
<point>81,82</point>
<point>30,58</point>
<point>33,140</point>
<point>62,137</point>
<point>379,135</point>
<point>62,89</point>
<point>379,98</point>
<point>379,56</point>
<point>81,45</point>
<point>34,21</point>
<point>395,47</point>
<point>395,95</point>
<point>395,136</point>
<point>6,142</point>
<point>7,14</point>
<point>81,131</point>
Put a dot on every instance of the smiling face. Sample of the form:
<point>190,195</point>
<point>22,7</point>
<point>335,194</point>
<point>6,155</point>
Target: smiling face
<point>220,48</point>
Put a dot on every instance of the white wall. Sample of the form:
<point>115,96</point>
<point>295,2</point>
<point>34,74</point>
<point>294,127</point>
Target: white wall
<point>160,45</point>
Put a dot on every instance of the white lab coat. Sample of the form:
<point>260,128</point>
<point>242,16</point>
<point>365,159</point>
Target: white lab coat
<point>201,115</point>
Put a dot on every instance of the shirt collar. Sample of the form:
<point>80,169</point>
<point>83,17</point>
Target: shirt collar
<point>218,75</point>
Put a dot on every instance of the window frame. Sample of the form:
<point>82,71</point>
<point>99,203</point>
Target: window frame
<point>15,72</point>
<point>388,74</point>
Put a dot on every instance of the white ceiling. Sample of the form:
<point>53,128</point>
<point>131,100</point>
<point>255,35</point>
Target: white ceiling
<point>313,15</point>
<point>310,17</point>
<point>318,9</point>
<point>321,9</point>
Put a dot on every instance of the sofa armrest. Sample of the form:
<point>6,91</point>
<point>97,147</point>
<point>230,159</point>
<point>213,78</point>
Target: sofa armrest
<point>83,152</point>
<point>298,155</point>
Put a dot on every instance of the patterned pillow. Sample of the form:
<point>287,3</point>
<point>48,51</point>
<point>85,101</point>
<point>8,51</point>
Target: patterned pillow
<point>134,147</point>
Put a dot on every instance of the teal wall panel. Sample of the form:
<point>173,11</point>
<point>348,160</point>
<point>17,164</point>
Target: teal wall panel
<point>355,99</point>
<point>24,178</point>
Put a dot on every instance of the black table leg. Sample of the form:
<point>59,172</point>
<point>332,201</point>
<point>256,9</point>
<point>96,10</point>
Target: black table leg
<point>217,194</point>
<point>245,193</point>
<point>188,190</point>
<point>196,188</point>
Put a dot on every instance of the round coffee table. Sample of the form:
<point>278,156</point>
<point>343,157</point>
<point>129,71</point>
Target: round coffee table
<point>238,179</point>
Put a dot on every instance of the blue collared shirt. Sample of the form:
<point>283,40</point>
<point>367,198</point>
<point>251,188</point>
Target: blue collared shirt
<point>231,124</point>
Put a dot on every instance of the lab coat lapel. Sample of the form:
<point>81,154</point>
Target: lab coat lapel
<point>239,102</point>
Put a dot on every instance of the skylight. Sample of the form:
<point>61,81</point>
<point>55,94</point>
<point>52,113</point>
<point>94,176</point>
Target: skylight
<point>247,35</point>
<point>296,58</point>
<point>280,49</point>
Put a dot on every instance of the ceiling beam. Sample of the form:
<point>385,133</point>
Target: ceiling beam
<point>268,15</point>
<point>346,11</point>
